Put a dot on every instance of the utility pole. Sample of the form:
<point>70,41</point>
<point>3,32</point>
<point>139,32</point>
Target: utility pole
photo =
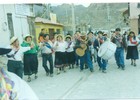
<point>67,16</point>
<point>108,18</point>
<point>48,10</point>
<point>73,18</point>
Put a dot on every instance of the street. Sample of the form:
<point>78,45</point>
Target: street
<point>73,84</point>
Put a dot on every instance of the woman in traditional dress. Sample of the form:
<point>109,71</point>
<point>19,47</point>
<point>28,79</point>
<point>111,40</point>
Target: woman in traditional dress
<point>70,51</point>
<point>30,57</point>
<point>132,50</point>
<point>60,53</point>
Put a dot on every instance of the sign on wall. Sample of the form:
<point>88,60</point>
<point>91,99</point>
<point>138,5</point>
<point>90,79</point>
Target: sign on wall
<point>22,9</point>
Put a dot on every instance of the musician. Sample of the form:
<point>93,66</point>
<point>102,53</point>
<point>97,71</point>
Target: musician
<point>30,58</point>
<point>86,58</point>
<point>117,38</point>
<point>47,50</point>
<point>76,44</point>
<point>60,53</point>
<point>132,50</point>
<point>91,39</point>
<point>70,51</point>
<point>102,63</point>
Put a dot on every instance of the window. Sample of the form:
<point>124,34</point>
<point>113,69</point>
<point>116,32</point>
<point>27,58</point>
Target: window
<point>58,31</point>
<point>10,24</point>
<point>138,5</point>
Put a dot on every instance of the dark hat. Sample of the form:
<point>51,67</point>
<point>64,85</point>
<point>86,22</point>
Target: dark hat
<point>89,33</point>
<point>4,50</point>
<point>100,32</point>
<point>118,29</point>
<point>45,35</point>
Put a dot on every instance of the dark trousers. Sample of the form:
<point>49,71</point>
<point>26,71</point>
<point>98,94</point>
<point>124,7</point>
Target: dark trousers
<point>15,67</point>
<point>45,58</point>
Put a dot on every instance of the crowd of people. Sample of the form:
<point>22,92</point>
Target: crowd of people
<point>80,51</point>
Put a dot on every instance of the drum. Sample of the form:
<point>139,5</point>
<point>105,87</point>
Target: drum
<point>107,50</point>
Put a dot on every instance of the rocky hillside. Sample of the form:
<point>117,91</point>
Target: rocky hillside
<point>97,15</point>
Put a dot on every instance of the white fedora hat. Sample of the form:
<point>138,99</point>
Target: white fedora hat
<point>13,39</point>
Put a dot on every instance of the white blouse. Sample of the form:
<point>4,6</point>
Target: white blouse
<point>45,49</point>
<point>130,44</point>
<point>60,46</point>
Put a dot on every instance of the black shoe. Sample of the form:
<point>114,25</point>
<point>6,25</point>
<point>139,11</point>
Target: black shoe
<point>104,71</point>
<point>91,70</point>
<point>51,75</point>
<point>135,64</point>
<point>123,68</point>
<point>86,67</point>
<point>47,74</point>
<point>119,67</point>
<point>36,76</point>
<point>72,66</point>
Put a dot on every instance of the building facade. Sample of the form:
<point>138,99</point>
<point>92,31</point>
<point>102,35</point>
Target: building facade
<point>15,20</point>
<point>134,16</point>
<point>50,26</point>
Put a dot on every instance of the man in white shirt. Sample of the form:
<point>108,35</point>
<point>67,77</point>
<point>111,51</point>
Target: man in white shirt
<point>15,64</point>
<point>47,50</point>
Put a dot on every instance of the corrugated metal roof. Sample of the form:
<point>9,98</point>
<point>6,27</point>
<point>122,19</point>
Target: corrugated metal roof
<point>46,21</point>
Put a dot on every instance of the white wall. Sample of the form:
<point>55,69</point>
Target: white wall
<point>4,32</point>
<point>134,11</point>
<point>21,27</point>
<point>20,23</point>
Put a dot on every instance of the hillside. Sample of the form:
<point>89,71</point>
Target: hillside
<point>98,15</point>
